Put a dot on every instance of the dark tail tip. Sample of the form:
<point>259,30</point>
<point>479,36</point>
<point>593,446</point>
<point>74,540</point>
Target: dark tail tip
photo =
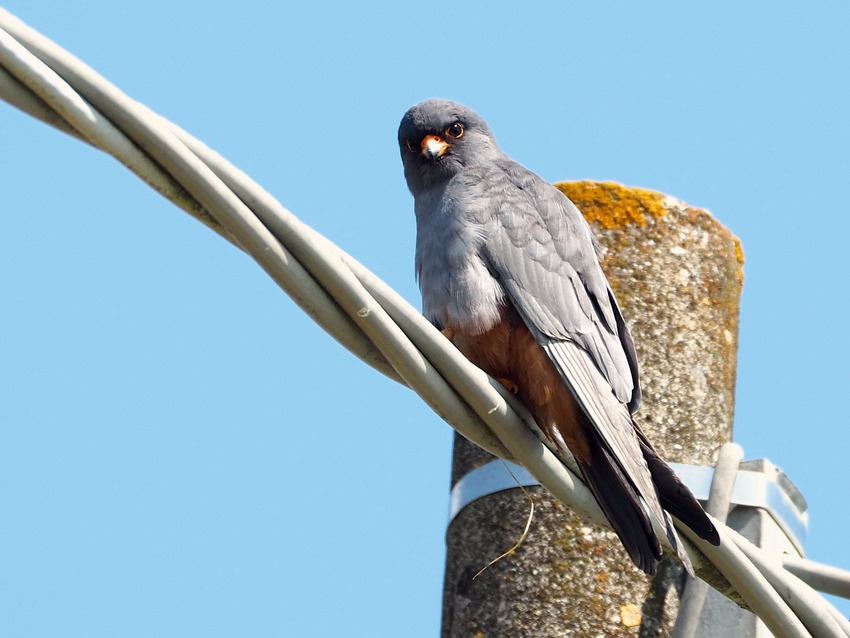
<point>676,497</point>
<point>623,509</point>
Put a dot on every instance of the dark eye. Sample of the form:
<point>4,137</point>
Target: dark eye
<point>455,130</point>
<point>411,145</point>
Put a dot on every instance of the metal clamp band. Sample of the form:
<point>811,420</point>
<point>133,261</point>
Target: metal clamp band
<point>758,484</point>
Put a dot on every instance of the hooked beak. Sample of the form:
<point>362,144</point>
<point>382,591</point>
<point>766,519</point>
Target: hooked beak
<point>434,147</point>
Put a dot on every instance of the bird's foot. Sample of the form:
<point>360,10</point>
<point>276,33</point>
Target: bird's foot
<point>510,386</point>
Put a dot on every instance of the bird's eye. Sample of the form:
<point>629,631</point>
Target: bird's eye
<point>455,130</point>
<point>411,145</point>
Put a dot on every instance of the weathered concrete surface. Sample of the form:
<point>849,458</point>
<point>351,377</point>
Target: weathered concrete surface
<point>677,273</point>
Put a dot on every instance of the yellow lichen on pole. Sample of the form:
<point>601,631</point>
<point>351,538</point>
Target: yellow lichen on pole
<point>612,205</point>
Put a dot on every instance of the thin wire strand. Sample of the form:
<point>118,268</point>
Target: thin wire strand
<point>524,533</point>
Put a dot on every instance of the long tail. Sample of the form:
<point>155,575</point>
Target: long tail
<point>622,506</point>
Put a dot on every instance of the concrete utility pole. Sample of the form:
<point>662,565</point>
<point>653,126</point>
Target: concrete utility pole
<point>677,273</point>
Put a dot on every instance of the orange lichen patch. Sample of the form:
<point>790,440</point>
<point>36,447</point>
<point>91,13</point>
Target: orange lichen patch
<point>612,205</point>
<point>739,254</point>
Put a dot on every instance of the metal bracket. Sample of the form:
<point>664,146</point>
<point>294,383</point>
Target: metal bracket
<point>758,484</point>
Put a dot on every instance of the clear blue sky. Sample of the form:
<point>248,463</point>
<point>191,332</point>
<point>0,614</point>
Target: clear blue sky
<point>183,453</point>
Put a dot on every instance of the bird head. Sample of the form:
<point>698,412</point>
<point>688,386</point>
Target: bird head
<point>438,139</point>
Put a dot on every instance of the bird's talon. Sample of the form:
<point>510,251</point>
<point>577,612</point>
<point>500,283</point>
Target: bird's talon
<point>509,385</point>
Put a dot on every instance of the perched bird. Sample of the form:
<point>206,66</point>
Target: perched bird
<point>509,271</point>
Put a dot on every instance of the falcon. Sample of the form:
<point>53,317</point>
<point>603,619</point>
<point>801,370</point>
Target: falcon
<point>509,271</point>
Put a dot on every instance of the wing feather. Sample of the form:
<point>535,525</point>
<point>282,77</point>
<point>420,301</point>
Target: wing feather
<point>542,250</point>
<point>607,414</point>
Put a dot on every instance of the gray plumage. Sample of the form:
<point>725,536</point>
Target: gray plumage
<point>493,235</point>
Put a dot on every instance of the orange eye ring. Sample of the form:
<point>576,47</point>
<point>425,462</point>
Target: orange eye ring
<point>455,130</point>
